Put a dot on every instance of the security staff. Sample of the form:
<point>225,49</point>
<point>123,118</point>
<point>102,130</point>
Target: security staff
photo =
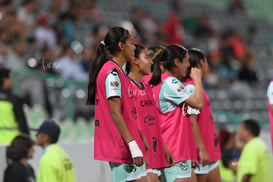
<point>12,117</point>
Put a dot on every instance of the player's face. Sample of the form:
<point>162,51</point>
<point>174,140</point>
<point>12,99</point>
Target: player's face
<point>129,49</point>
<point>183,66</point>
<point>145,62</point>
<point>204,67</point>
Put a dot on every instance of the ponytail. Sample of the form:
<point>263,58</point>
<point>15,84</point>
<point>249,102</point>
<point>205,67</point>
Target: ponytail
<point>100,59</point>
<point>156,77</point>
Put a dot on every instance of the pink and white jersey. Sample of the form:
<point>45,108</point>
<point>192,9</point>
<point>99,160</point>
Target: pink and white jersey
<point>149,124</point>
<point>270,103</point>
<point>176,131</point>
<point>206,126</point>
<point>108,143</point>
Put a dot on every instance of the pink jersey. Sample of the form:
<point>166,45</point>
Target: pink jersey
<point>269,103</point>
<point>147,78</point>
<point>207,128</point>
<point>149,125</point>
<point>176,131</point>
<point>108,143</point>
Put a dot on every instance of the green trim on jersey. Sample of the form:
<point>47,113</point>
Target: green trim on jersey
<point>172,94</point>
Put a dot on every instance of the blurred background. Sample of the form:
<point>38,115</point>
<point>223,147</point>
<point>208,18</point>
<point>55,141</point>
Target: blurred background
<point>49,45</point>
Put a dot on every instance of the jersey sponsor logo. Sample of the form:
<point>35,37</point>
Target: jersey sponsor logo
<point>114,72</point>
<point>150,120</point>
<point>97,123</point>
<point>184,165</point>
<point>97,101</point>
<point>130,168</point>
<point>174,81</point>
<point>114,84</point>
<point>141,92</point>
<point>134,113</point>
<point>180,89</point>
<point>145,103</point>
<point>131,92</point>
<point>154,143</point>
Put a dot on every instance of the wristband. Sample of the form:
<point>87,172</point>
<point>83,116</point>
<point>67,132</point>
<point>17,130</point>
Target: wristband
<point>134,149</point>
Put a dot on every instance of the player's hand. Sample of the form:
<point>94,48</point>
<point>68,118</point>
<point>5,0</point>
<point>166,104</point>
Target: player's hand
<point>204,157</point>
<point>136,153</point>
<point>138,161</point>
<point>169,157</point>
<point>195,74</point>
<point>196,164</point>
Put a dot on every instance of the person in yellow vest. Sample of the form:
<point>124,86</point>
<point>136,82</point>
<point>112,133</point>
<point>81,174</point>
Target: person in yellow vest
<point>255,163</point>
<point>12,118</point>
<point>55,164</point>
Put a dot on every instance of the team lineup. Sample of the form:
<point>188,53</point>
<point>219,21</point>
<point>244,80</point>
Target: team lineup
<point>154,120</point>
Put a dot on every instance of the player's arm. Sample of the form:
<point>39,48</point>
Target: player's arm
<point>204,156</point>
<point>246,178</point>
<point>144,140</point>
<point>169,157</point>
<point>113,94</point>
<point>196,100</point>
<point>114,107</point>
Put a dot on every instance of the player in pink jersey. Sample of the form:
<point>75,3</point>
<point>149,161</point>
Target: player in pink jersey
<point>208,149</point>
<point>117,138</point>
<point>270,107</point>
<point>169,96</point>
<point>158,155</point>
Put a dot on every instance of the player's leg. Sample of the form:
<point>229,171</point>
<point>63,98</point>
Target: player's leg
<point>202,173</point>
<point>193,176</point>
<point>214,174</point>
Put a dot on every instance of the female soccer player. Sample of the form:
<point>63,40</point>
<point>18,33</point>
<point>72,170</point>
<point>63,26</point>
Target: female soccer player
<point>169,96</point>
<point>208,149</point>
<point>147,112</point>
<point>117,138</point>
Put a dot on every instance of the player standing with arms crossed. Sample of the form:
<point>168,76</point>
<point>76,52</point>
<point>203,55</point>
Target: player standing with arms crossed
<point>117,138</point>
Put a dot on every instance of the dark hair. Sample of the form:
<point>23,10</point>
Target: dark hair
<point>19,147</point>
<point>154,51</point>
<point>110,44</point>
<point>4,73</point>
<point>138,50</point>
<point>167,57</point>
<point>252,126</point>
<point>223,138</point>
<point>195,57</point>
